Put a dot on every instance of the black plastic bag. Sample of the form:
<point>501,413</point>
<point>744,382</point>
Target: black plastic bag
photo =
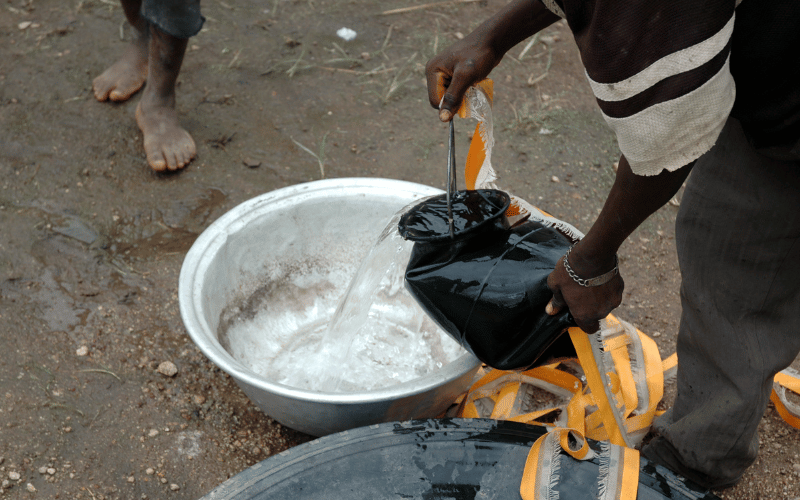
<point>486,284</point>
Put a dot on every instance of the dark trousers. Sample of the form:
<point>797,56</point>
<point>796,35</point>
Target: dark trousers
<point>738,240</point>
<point>179,18</point>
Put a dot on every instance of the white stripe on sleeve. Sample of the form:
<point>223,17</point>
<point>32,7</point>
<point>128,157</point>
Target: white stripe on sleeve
<point>670,65</point>
<point>671,134</point>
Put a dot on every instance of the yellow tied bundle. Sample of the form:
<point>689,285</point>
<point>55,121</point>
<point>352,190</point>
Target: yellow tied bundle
<point>608,394</point>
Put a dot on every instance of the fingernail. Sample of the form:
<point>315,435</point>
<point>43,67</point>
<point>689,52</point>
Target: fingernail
<point>445,115</point>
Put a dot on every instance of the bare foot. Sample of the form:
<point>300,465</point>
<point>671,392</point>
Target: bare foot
<point>126,76</point>
<point>167,144</point>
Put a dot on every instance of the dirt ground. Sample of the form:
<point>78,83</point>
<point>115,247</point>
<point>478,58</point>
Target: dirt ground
<point>93,240</point>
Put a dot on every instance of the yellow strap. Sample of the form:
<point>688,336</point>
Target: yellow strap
<point>475,158</point>
<point>563,438</point>
<point>630,475</point>
<point>555,376</point>
<point>576,412</point>
<point>654,372</point>
<point>670,362</point>
<point>491,376</point>
<point>618,346</point>
<point>532,417</point>
<point>531,472</point>
<point>505,394</point>
<point>582,346</point>
<point>654,376</point>
<point>622,363</point>
<point>504,403</point>
<point>618,342</point>
<point>622,476</point>
<point>785,379</point>
<point>784,412</point>
<point>790,382</point>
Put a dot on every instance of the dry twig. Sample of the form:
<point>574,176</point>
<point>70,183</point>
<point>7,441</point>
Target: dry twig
<point>98,370</point>
<point>426,6</point>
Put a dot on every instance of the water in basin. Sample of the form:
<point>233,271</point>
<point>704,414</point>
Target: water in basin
<point>301,331</point>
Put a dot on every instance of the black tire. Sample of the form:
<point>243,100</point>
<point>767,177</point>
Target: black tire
<point>436,459</point>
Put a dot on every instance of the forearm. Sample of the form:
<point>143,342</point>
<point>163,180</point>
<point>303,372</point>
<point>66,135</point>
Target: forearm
<point>632,199</point>
<point>514,23</point>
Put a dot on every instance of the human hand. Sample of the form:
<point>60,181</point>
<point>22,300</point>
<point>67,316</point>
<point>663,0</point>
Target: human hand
<point>588,305</point>
<point>456,69</point>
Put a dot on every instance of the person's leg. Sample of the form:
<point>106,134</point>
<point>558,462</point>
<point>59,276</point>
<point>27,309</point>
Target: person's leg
<point>126,76</point>
<point>167,144</point>
<point>738,238</point>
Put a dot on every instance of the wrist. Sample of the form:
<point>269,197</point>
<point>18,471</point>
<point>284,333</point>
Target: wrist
<point>589,261</point>
<point>594,280</point>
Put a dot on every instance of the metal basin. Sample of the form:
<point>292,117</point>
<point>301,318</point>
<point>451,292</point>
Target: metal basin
<point>323,223</point>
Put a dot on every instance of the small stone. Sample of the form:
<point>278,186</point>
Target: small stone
<point>131,479</point>
<point>615,166</point>
<point>459,35</point>
<point>6,484</point>
<point>163,480</point>
<point>24,25</point>
<point>31,488</point>
<point>174,487</point>
<point>555,179</point>
<point>250,162</point>
<point>153,433</point>
<point>149,471</point>
<point>82,351</point>
<point>366,56</point>
<point>198,399</point>
<point>167,368</point>
<point>13,475</point>
<point>42,470</point>
<point>51,471</point>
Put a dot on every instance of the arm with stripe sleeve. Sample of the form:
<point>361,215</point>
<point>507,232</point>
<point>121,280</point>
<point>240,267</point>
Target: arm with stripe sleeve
<point>660,73</point>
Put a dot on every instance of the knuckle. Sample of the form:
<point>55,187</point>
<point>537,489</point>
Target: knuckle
<point>450,99</point>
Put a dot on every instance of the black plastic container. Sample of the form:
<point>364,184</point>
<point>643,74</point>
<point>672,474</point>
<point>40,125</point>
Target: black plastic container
<point>486,284</point>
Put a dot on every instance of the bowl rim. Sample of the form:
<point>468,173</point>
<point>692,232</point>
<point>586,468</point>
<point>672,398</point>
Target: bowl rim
<point>205,247</point>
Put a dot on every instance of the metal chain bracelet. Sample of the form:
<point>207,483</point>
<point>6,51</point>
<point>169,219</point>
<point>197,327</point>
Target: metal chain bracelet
<point>597,281</point>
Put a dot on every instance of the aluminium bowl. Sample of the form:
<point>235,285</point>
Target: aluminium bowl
<point>336,221</point>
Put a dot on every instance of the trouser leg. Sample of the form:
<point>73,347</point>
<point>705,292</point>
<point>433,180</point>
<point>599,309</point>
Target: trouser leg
<point>177,18</point>
<point>738,239</point>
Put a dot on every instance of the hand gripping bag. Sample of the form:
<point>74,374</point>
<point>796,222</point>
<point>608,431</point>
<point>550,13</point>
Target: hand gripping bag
<point>486,284</point>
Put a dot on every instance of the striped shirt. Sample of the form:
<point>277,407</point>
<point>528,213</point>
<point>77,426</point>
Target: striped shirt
<point>667,74</point>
